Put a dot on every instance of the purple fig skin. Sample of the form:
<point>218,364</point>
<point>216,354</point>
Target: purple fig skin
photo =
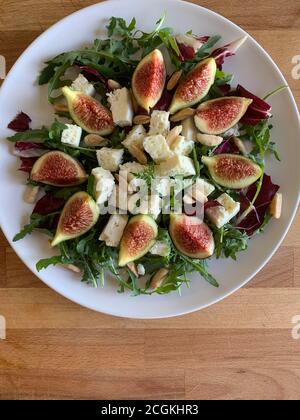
<point>79,215</point>
<point>219,115</point>
<point>88,113</point>
<point>195,86</point>
<point>191,236</point>
<point>138,238</point>
<point>58,169</point>
<point>232,171</point>
<point>149,80</point>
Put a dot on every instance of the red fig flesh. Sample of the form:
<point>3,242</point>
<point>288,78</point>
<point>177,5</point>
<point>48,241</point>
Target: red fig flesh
<point>88,113</point>
<point>79,215</point>
<point>219,115</point>
<point>232,171</point>
<point>149,80</point>
<point>138,238</point>
<point>195,86</point>
<point>58,169</point>
<point>191,236</point>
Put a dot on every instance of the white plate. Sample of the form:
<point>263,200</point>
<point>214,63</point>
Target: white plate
<point>252,67</point>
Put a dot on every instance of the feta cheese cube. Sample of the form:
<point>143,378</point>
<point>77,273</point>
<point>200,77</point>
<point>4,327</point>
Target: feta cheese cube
<point>103,186</point>
<point>201,186</point>
<point>163,186</point>
<point>141,204</point>
<point>159,123</point>
<point>160,248</point>
<point>113,232</point>
<point>128,170</point>
<point>71,135</point>
<point>222,214</point>
<point>135,139</point>
<point>110,159</point>
<point>189,130</point>
<point>181,146</point>
<point>121,107</point>
<point>157,147</point>
<point>81,84</point>
<point>176,165</point>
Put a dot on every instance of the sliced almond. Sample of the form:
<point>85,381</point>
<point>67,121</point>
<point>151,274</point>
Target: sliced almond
<point>139,154</point>
<point>209,140</point>
<point>172,83</point>
<point>141,119</point>
<point>183,115</point>
<point>159,278</point>
<point>94,140</point>
<point>60,107</point>
<point>132,267</point>
<point>240,145</point>
<point>276,206</point>
<point>72,267</point>
<point>113,85</point>
<point>173,134</point>
<point>135,105</point>
<point>30,194</point>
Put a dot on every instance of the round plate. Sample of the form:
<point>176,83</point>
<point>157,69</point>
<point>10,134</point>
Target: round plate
<point>252,67</point>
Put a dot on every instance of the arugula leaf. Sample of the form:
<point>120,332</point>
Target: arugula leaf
<point>229,241</point>
<point>46,262</point>
<point>38,134</point>
<point>36,220</point>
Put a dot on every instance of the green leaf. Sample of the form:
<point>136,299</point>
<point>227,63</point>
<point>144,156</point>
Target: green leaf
<point>29,228</point>
<point>45,263</point>
<point>29,135</point>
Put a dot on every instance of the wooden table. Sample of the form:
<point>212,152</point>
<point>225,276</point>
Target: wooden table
<point>240,348</point>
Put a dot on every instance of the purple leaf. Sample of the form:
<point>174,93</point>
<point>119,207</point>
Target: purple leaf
<point>164,102</point>
<point>252,222</point>
<point>258,111</point>
<point>186,45</point>
<point>49,204</point>
<point>227,51</point>
<point>93,75</point>
<point>20,123</point>
<point>228,146</point>
<point>211,204</point>
<point>28,149</point>
<point>27,163</point>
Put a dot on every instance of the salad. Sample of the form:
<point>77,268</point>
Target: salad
<point>154,163</point>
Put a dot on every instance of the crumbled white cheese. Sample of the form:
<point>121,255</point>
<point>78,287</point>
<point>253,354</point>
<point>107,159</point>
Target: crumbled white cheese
<point>157,147</point>
<point>121,107</point>
<point>81,84</point>
<point>181,146</point>
<point>201,186</point>
<point>128,170</point>
<point>71,135</point>
<point>176,165</point>
<point>110,159</point>
<point>160,248</point>
<point>103,186</point>
<point>135,139</point>
<point>118,200</point>
<point>141,204</point>
<point>163,186</point>
<point>222,214</point>
<point>159,123</point>
<point>113,231</point>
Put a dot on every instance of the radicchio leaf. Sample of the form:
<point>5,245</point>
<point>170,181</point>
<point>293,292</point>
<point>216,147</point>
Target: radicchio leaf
<point>228,146</point>
<point>258,111</point>
<point>93,75</point>
<point>27,164</point>
<point>211,204</point>
<point>20,123</point>
<point>227,51</point>
<point>28,149</point>
<point>164,103</point>
<point>187,52</point>
<point>49,204</point>
<point>252,222</point>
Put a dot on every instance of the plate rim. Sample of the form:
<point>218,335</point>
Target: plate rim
<point>279,243</point>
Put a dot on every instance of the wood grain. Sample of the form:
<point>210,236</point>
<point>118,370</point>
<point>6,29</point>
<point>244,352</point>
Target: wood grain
<point>241,348</point>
